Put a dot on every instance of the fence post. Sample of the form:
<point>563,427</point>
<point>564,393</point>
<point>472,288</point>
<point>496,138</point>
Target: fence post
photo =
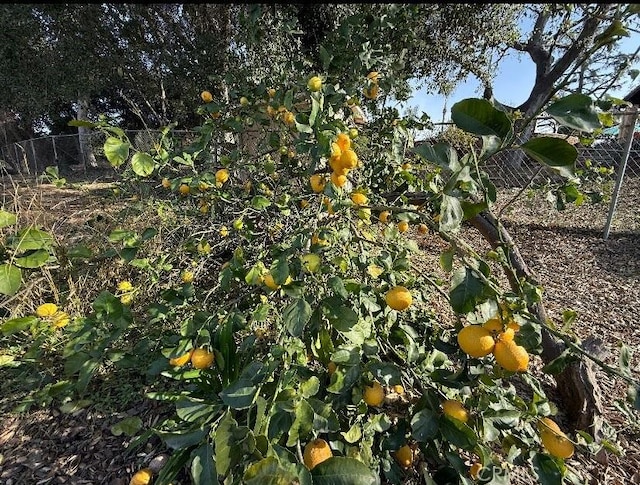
<point>35,158</point>
<point>18,164</point>
<point>633,115</point>
<point>55,151</point>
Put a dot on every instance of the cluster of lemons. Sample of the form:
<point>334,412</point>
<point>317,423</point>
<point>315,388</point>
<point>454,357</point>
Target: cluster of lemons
<point>50,312</point>
<point>200,358</point>
<point>495,337</point>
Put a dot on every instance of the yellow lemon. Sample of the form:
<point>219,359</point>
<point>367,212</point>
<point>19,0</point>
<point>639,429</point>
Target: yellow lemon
<point>46,310</point>
<point>186,277</point>
<point>373,76</point>
<point>314,84</point>
<point>493,325</point>
<point>142,477</point>
<point>271,92</point>
<point>61,319</point>
<point>374,394</point>
<point>403,226</point>
<point>384,216</point>
<point>184,189</point>
<point>404,456</point>
<point>399,298</point>
<point>206,96</point>
<point>315,452</point>
<point>343,141</point>
<point>289,118</point>
<point>166,183</point>
<point>317,183</point>
<point>338,180</point>
<point>244,101</point>
<point>511,356</point>
<point>311,262</point>
<point>423,229</point>
<point>474,470</point>
<point>554,440</point>
<point>202,358</point>
<point>181,360</point>
<point>371,92</point>
<point>222,176</point>
<point>349,159</point>
<point>359,198</point>
<point>476,341</point>
<point>455,409</point>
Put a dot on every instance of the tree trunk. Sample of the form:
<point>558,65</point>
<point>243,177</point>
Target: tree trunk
<point>88,157</point>
<point>576,385</point>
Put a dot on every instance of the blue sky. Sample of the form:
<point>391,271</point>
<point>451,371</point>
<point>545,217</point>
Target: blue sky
<point>512,84</point>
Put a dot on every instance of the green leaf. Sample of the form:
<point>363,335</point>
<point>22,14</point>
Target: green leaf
<point>79,252</point>
<point>296,316</point>
<point>34,259</point>
<point>260,202</point>
<point>7,219</point>
<point>192,411</point>
<point>466,290</point>
<point>457,433</point>
<point>142,164</point>
<point>480,117</point>
<point>227,449</point>
<point>203,468</point>
<point>128,426</point>
<point>342,318</point>
<point>339,470</point>
<point>268,472</point>
<point>337,286</point>
<point>30,238</point>
<point>555,153</point>
<point>441,154</point>
<point>325,58</point>
<point>240,394</point>
<point>116,151</point>
<point>182,439</point>
<point>10,279</point>
<point>547,470</point>
<point>451,214</point>
<point>302,424</point>
<point>558,364</point>
<point>424,425</point>
<point>17,325</point>
<point>576,111</point>
<point>446,259</point>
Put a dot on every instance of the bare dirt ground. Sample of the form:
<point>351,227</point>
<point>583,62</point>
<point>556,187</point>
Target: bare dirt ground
<point>599,279</point>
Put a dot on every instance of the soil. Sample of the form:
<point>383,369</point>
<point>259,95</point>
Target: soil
<point>578,268</point>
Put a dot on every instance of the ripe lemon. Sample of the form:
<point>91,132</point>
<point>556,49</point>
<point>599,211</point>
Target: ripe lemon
<point>222,176</point>
<point>314,84</point>
<point>506,336</point>
<point>513,325</point>
<point>142,477</point>
<point>206,96</point>
<point>493,325</point>
<point>184,189</point>
<point>373,76</point>
<point>511,356</point>
<point>554,440</point>
<point>203,186</point>
<point>224,231</point>
<point>166,183</point>
<point>244,101</point>
<point>271,92</point>
<point>423,229</point>
<point>474,470</point>
<point>271,283</point>
<point>374,394</point>
<point>343,141</point>
<point>186,277</point>
<point>359,198</point>
<point>406,166</point>
<point>476,341</point>
<point>202,358</point>
<point>317,183</point>
<point>455,409</point>
<point>403,226</point>
<point>181,360</point>
<point>336,151</point>
<point>384,216</point>
<point>399,298</point>
<point>398,389</point>
<point>353,133</point>
<point>338,179</point>
<point>404,456</point>
<point>349,159</point>
<point>289,118</point>
<point>46,310</point>
<point>315,452</point>
<point>336,165</point>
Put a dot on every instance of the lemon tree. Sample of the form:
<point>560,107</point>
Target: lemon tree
<point>320,316</point>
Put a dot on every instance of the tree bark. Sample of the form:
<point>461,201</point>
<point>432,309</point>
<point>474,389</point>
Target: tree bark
<point>88,156</point>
